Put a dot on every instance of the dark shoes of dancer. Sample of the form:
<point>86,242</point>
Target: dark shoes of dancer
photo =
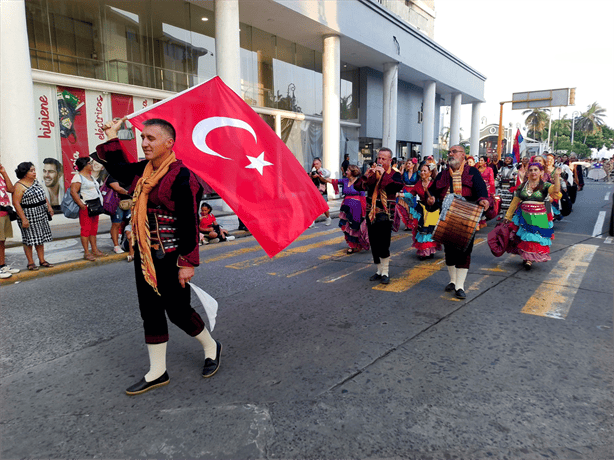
<point>383,279</point>
<point>142,386</point>
<point>212,365</point>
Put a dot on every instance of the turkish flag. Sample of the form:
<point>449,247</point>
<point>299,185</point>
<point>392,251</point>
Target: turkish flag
<point>231,147</point>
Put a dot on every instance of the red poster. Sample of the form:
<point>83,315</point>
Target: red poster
<point>73,128</point>
<point>121,106</point>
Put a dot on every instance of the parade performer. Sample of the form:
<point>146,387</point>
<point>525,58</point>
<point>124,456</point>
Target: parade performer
<point>506,179</point>
<point>528,215</point>
<point>487,171</point>
<point>424,222</point>
<point>352,211</point>
<point>466,181</point>
<point>382,184</point>
<point>166,196</point>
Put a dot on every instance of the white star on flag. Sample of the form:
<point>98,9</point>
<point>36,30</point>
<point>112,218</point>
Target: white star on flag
<point>257,163</point>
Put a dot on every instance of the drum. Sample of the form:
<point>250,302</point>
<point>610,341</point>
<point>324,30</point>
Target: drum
<point>458,221</point>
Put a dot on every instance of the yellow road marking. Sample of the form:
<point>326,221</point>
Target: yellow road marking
<point>239,252</point>
<point>409,278</point>
<point>554,296</point>
<point>286,253</point>
<point>348,271</point>
<point>343,252</point>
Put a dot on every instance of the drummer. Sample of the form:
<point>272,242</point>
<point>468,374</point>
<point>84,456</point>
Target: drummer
<point>460,179</point>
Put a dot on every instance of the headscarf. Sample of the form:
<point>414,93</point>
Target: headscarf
<point>140,222</point>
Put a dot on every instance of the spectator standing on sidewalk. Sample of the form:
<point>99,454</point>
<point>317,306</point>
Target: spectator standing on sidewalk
<point>122,213</point>
<point>33,214</point>
<point>85,188</point>
<point>6,228</point>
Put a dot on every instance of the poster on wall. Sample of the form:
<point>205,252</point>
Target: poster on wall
<point>121,106</point>
<point>72,127</point>
<point>97,106</point>
<point>49,164</point>
<point>140,103</point>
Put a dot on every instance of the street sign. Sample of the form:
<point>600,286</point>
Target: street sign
<point>541,99</point>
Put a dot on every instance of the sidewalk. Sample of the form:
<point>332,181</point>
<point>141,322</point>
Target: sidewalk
<point>66,253</point>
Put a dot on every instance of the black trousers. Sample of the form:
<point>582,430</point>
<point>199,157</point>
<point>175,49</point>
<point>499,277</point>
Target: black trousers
<point>456,257</point>
<point>173,300</point>
<point>379,238</point>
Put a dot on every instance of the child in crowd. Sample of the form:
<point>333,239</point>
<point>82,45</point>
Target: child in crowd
<point>210,230</point>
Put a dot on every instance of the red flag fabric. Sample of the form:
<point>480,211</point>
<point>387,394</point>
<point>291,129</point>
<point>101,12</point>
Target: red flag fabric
<point>231,147</point>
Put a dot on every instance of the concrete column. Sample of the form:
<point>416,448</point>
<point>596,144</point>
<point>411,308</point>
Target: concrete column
<point>17,116</point>
<point>428,118</point>
<point>331,110</point>
<point>227,45</point>
<point>475,129</point>
<point>278,125</point>
<point>227,48</point>
<point>455,116</point>
<point>389,118</point>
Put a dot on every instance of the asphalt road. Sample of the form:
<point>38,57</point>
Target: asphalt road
<point>319,362</point>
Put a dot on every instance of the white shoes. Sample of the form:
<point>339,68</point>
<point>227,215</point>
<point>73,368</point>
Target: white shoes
<point>230,238</point>
<point>4,276</point>
<point>328,221</point>
<point>118,250</point>
<point>7,269</point>
<point>313,224</point>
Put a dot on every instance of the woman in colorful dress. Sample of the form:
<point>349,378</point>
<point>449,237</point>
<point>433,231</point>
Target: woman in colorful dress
<point>33,214</point>
<point>401,213</point>
<point>423,222</point>
<point>352,212</point>
<point>530,217</point>
<point>489,178</point>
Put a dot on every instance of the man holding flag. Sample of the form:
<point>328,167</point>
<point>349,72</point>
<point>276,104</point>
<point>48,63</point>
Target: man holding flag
<point>223,141</point>
<point>166,196</point>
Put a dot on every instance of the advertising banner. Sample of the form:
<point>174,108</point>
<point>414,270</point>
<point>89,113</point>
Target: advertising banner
<point>121,106</point>
<point>49,164</point>
<point>73,128</point>
<point>140,103</point>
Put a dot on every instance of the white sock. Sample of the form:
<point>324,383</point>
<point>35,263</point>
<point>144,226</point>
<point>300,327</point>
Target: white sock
<point>452,272</point>
<point>385,263</point>
<point>461,274</point>
<point>379,268</point>
<point>157,361</point>
<point>209,345</point>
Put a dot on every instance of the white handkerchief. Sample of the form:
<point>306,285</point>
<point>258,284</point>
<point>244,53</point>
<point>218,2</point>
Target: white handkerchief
<point>209,304</point>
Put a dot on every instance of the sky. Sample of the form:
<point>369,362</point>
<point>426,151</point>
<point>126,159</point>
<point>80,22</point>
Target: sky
<point>530,45</point>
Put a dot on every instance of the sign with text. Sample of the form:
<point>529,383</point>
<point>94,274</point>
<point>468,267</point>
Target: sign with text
<point>541,99</point>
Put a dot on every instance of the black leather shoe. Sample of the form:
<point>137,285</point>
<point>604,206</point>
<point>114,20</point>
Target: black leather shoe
<point>450,287</point>
<point>385,279</point>
<point>143,386</point>
<point>375,277</point>
<point>460,294</point>
<point>212,365</point>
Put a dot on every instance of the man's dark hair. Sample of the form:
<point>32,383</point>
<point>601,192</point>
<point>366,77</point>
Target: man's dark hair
<point>164,125</point>
<point>22,169</point>
<point>53,161</point>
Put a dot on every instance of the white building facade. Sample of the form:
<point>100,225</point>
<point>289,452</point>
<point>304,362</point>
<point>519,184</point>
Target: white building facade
<point>330,77</point>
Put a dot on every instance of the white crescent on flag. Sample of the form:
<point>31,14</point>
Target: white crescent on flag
<point>204,127</point>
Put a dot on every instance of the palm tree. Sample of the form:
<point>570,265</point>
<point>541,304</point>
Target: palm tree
<point>536,121</point>
<point>591,120</point>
